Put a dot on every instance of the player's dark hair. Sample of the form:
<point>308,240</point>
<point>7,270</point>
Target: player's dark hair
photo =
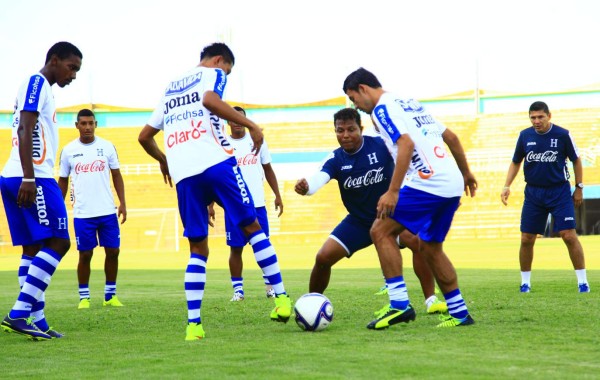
<point>358,77</point>
<point>539,106</point>
<point>85,112</point>
<point>63,50</point>
<point>238,108</point>
<point>216,49</point>
<point>347,114</point>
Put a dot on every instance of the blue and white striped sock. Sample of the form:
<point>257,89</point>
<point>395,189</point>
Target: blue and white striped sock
<point>24,268</point>
<point>84,291</point>
<point>37,312</point>
<point>38,278</point>
<point>266,280</point>
<point>195,278</point>
<point>456,305</point>
<point>238,284</point>
<point>397,292</point>
<point>266,258</point>
<point>110,290</point>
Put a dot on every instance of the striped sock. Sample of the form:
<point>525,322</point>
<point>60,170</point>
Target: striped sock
<point>84,291</point>
<point>266,258</point>
<point>266,280</point>
<point>195,278</point>
<point>37,312</point>
<point>238,284</point>
<point>38,278</point>
<point>456,305</point>
<point>110,290</point>
<point>24,268</point>
<point>397,292</point>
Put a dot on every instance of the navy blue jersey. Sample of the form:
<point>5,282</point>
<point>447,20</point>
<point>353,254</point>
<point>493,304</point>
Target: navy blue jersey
<point>545,155</point>
<point>363,176</point>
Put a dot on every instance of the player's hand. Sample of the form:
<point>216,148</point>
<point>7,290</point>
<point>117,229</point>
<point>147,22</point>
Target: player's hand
<point>387,204</point>
<point>211,214</point>
<point>470,184</point>
<point>504,195</point>
<point>26,195</point>
<point>164,169</point>
<point>122,212</point>
<point>257,138</point>
<point>278,205</point>
<point>301,186</point>
<point>578,197</point>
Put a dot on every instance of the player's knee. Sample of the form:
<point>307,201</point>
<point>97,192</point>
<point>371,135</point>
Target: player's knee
<point>569,236</point>
<point>85,257</point>
<point>112,253</point>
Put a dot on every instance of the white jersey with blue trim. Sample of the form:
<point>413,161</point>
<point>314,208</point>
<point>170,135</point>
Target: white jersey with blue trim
<point>432,168</point>
<point>35,95</point>
<point>251,166</point>
<point>195,138</point>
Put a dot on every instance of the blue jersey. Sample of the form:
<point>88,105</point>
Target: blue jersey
<point>363,176</point>
<point>545,156</point>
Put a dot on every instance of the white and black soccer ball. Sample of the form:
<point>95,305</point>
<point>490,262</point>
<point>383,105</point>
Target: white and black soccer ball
<point>314,312</point>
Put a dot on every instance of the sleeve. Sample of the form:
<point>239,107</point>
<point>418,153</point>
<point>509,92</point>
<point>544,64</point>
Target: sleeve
<point>217,83</point>
<point>572,151</point>
<point>34,96</point>
<point>265,155</point>
<point>157,119</point>
<point>519,151</point>
<point>65,168</point>
<point>113,158</point>
<point>317,181</point>
<point>391,120</point>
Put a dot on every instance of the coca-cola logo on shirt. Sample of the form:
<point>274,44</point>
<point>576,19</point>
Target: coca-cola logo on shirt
<point>547,156</point>
<point>371,177</point>
<point>90,167</point>
<point>249,159</point>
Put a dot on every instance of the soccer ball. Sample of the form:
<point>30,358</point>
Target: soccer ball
<point>314,312</point>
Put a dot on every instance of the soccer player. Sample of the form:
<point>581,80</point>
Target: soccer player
<point>90,161</point>
<point>254,168</point>
<point>425,205</point>
<point>36,213</point>
<point>199,159</point>
<point>363,167</point>
<point>545,148</point>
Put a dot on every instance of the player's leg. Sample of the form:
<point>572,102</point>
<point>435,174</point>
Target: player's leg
<point>263,220</point>
<point>86,239</point>
<point>534,216</point>
<point>109,236</point>
<point>526,260</point>
<point>236,240</point>
<point>330,253</point>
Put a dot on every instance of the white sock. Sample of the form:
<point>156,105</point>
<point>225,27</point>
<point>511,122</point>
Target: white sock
<point>581,276</point>
<point>431,300</point>
<point>526,278</point>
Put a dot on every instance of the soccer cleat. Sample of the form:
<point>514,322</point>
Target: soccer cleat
<point>237,296</point>
<point>24,326</point>
<point>194,331</point>
<point>437,307</point>
<point>525,288</point>
<point>54,334</point>
<point>584,288</point>
<point>114,301</point>
<point>84,303</point>
<point>283,308</point>
<point>392,316</point>
<point>382,311</point>
<point>382,291</point>
<point>271,293</point>
<point>450,321</point>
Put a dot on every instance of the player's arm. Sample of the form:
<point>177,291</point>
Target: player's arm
<point>120,190</point>
<point>578,171</point>
<point>453,142</point>
<point>63,184</point>
<point>147,141</point>
<point>213,102</point>
<point>513,170</point>
<point>273,184</point>
<point>387,202</point>
<point>26,195</point>
<point>312,184</point>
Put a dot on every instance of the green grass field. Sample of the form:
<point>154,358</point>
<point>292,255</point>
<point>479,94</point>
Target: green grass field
<point>551,333</point>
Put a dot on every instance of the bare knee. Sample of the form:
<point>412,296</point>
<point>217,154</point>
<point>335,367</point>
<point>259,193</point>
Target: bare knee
<point>569,236</point>
<point>112,253</point>
<point>85,257</point>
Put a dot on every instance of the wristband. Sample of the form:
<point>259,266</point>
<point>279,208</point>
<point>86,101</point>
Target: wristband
<point>28,180</point>
<point>506,188</point>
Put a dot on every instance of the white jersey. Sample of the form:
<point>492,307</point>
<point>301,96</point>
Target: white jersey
<point>35,95</point>
<point>432,168</point>
<point>251,166</point>
<point>89,166</point>
<point>194,137</point>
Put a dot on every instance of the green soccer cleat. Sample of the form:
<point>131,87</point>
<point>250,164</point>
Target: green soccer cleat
<point>114,301</point>
<point>194,331</point>
<point>283,308</point>
<point>437,307</point>
<point>84,303</point>
<point>382,291</point>
<point>24,326</point>
<point>391,316</point>
<point>450,321</point>
<point>382,311</point>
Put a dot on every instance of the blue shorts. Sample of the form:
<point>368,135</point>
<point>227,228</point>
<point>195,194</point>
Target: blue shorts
<point>88,231</point>
<point>235,235</point>
<point>46,219</point>
<point>541,201</point>
<point>222,183</point>
<point>425,214</point>
<point>352,234</point>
